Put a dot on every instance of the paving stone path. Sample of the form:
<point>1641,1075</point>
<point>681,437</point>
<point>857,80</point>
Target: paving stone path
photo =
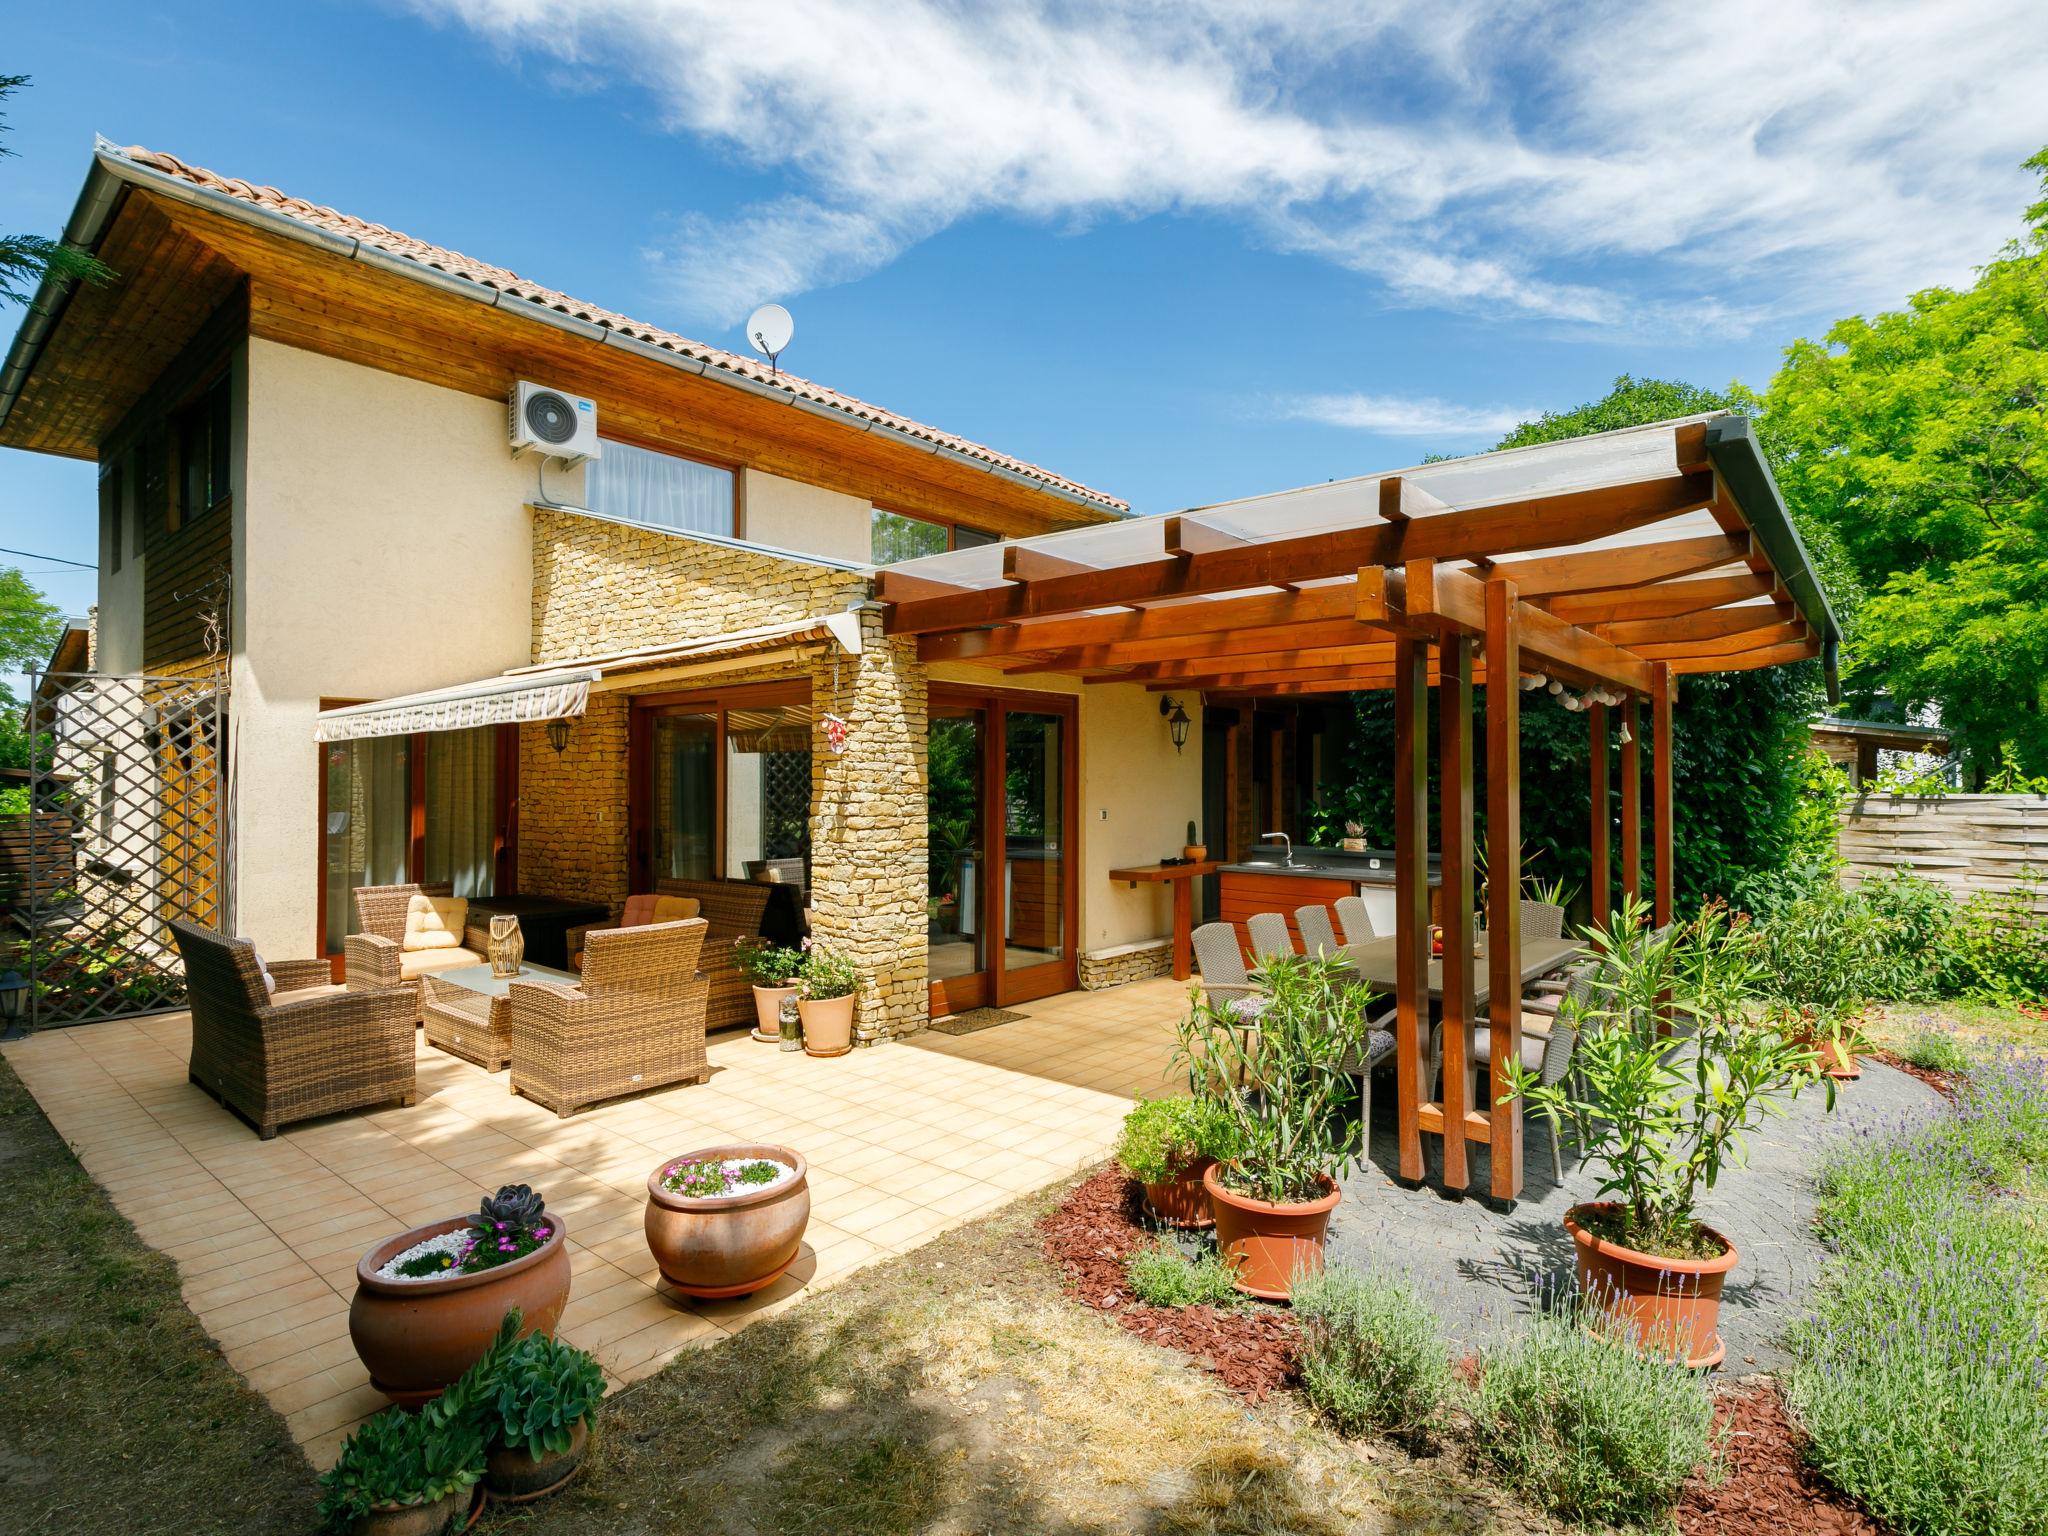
<point>1483,1266</point>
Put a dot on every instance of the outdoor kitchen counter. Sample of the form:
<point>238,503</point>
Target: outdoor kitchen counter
<point>1318,877</point>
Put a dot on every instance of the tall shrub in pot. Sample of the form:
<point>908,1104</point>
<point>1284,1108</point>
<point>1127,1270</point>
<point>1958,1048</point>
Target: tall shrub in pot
<point>1281,1089</point>
<point>1673,1065</point>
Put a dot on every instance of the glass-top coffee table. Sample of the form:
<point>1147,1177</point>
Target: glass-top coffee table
<point>467,1011</point>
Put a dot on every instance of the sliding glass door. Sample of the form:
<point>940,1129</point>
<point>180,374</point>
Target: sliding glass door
<point>1001,770</point>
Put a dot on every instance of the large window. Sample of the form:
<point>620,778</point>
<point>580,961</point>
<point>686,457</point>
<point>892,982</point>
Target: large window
<point>433,808</point>
<point>637,485</point>
<point>203,434</point>
<point>725,787</point>
<point>896,536</point>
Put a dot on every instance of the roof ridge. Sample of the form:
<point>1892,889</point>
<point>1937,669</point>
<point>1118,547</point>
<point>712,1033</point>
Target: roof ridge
<point>503,279</point>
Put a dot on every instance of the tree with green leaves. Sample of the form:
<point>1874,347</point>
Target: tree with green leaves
<point>1738,746</point>
<point>1917,442</point>
<point>30,626</point>
<point>26,259</point>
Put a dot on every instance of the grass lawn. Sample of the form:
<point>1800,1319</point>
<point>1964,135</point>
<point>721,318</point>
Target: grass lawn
<point>116,1411</point>
<point>1893,1025</point>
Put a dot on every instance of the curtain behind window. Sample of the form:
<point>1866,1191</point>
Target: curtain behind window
<point>461,807</point>
<point>659,490</point>
<point>369,821</point>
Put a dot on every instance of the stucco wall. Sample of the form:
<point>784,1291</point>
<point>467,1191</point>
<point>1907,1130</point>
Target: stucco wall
<point>789,514</point>
<point>381,546</point>
<point>1137,795</point>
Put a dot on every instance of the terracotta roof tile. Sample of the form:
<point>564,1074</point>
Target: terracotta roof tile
<point>483,274</point>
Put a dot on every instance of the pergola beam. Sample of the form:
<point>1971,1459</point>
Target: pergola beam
<point>1458,599</point>
<point>1635,566</point>
<point>1663,600</point>
<point>1261,610</point>
<point>1709,625</point>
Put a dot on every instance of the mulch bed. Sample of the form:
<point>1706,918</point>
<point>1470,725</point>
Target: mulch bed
<point>1249,1348</point>
<point>1769,1490</point>
<point>1943,1083</point>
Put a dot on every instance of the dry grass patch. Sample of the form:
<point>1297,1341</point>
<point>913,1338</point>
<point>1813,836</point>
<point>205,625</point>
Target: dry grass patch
<point>954,1391</point>
<point>1893,1025</point>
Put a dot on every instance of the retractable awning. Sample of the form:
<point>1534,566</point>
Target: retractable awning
<point>553,690</point>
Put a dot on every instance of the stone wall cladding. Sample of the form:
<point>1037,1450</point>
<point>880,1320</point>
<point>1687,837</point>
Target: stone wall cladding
<point>1126,962</point>
<point>602,587</point>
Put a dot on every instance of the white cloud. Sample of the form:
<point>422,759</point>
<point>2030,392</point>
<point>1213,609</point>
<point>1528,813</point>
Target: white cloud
<point>1618,165</point>
<point>1401,416</point>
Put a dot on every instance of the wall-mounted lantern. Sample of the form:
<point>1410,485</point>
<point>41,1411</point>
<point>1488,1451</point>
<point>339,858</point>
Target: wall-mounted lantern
<point>1177,721</point>
<point>558,736</point>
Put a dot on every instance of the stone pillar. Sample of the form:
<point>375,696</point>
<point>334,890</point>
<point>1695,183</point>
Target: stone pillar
<point>870,825</point>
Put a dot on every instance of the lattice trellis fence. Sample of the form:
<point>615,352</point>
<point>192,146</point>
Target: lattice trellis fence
<point>136,777</point>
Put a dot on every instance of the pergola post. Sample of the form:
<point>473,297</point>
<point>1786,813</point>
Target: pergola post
<point>1503,882</point>
<point>1411,890</point>
<point>1631,801</point>
<point>1454,848</point>
<point>1596,784</point>
<point>1664,868</point>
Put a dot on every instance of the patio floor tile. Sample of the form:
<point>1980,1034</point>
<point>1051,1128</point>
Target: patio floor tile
<point>904,1141</point>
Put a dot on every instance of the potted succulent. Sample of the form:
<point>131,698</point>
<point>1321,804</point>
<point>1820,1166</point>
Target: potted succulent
<point>537,1417</point>
<point>429,1301</point>
<point>772,969</point>
<point>1278,1091</point>
<point>725,1221</point>
<point>1670,1070</point>
<point>1193,850</point>
<point>1353,840</point>
<point>826,985</point>
<point>1167,1145</point>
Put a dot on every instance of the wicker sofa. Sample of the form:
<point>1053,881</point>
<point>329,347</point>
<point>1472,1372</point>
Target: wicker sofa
<point>635,1021</point>
<point>277,1062</point>
<point>376,956</point>
<point>732,910</point>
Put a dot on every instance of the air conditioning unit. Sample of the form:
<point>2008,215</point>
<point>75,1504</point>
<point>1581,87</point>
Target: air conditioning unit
<point>552,422</point>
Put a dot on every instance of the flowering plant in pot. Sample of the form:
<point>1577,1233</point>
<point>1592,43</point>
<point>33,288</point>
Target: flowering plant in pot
<point>772,969</point>
<point>1167,1145</point>
<point>1671,1068</point>
<point>826,986</point>
<point>726,1221</point>
<point>1279,1090</point>
<point>428,1301</point>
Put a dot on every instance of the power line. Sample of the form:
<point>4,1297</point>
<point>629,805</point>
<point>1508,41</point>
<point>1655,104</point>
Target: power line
<point>29,555</point>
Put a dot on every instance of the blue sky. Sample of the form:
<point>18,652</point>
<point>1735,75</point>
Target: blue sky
<point>1181,253</point>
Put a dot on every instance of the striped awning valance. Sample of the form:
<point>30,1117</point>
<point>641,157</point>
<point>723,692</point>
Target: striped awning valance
<point>494,701</point>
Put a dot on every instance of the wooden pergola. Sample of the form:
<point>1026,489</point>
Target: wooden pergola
<point>1613,565</point>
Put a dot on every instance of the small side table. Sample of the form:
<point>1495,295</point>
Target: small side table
<point>467,1011</point>
<point>1182,878</point>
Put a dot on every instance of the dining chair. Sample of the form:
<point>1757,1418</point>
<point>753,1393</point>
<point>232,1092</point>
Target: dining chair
<point>1542,920</point>
<point>1269,935</point>
<point>1357,921</point>
<point>1377,1046</point>
<point>1225,982</point>
<point>1318,937</point>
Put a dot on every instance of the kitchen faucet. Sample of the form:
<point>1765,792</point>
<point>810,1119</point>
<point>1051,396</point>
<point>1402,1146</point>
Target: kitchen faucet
<point>1267,837</point>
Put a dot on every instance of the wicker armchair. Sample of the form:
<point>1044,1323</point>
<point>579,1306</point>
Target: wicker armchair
<point>733,910</point>
<point>635,1022</point>
<point>275,1063</point>
<point>376,954</point>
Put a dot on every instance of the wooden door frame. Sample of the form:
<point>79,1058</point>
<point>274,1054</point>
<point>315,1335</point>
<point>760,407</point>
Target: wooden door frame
<point>997,983</point>
<point>716,702</point>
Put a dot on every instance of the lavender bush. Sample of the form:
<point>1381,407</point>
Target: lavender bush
<point>1923,1375</point>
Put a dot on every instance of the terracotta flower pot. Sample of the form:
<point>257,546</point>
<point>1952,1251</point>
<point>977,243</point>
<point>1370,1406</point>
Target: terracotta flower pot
<point>445,1513</point>
<point>734,1245</point>
<point>1838,1061</point>
<point>1182,1201</point>
<point>828,1024</point>
<point>417,1336</point>
<point>768,1012</point>
<point>1194,853</point>
<point>512,1475</point>
<point>1673,1305</point>
<point>1267,1243</point>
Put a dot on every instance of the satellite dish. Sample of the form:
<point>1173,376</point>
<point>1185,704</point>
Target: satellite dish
<point>768,331</point>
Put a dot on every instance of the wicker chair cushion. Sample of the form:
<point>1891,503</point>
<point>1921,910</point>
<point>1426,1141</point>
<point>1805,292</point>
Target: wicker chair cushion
<point>1533,1047</point>
<point>434,922</point>
<point>416,963</point>
<point>641,910</point>
<point>269,981</point>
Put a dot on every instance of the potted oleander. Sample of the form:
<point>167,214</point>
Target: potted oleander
<point>1672,1066</point>
<point>827,984</point>
<point>1167,1145</point>
<point>772,970</point>
<point>537,1413</point>
<point>725,1221</point>
<point>1280,1092</point>
<point>429,1301</point>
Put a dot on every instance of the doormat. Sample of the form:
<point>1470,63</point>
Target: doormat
<point>975,1019</point>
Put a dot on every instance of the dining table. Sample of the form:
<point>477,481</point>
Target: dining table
<point>1377,963</point>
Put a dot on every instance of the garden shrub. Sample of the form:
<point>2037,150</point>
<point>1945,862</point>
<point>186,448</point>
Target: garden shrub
<point>1999,953</point>
<point>1937,1050</point>
<point>1922,1376</point>
<point>1592,1430</point>
<point>1162,1276</point>
<point>1160,1137</point>
<point>1372,1358</point>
